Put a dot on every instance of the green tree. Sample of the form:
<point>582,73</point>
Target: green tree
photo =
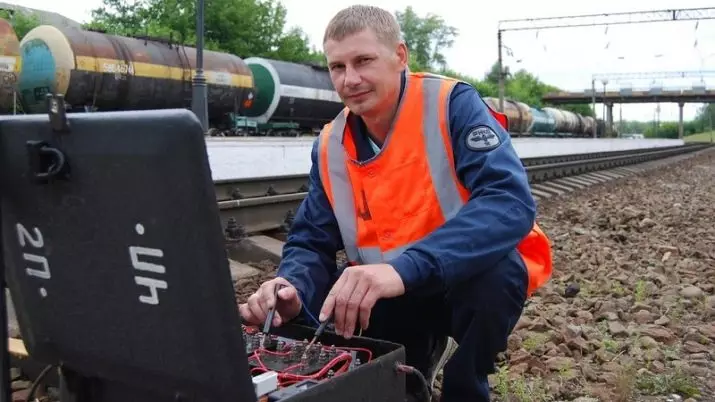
<point>655,129</point>
<point>21,22</point>
<point>525,87</point>
<point>426,37</point>
<point>121,17</point>
<point>293,46</point>
<point>705,118</point>
<point>241,27</point>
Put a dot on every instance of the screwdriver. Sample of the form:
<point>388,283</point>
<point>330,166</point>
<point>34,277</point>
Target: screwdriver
<point>318,333</point>
<point>269,319</point>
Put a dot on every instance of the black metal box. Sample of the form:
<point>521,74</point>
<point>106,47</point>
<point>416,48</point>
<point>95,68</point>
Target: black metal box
<point>114,257</point>
<point>377,380</point>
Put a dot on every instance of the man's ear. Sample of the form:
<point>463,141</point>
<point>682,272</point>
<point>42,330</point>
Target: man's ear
<point>403,54</point>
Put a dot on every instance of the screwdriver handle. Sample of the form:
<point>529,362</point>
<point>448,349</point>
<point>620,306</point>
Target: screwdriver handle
<point>272,311</point>
<point>321,328</point>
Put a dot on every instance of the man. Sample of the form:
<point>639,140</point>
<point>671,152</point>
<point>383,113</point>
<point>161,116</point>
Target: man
<point>419,183</point>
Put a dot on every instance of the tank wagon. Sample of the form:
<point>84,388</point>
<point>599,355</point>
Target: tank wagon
<point>518,114</point>
<point>543,124</point>
<point>97,71</point>
<point>292,93</point>
<point>525,120</point>
<point>10,65</point>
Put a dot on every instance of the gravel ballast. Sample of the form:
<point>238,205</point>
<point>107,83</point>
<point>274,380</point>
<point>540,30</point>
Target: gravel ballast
<point>629,313</point>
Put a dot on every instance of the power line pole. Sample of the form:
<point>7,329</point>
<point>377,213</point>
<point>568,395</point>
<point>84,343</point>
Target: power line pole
<point>198,97</point>
<point>635,17</point>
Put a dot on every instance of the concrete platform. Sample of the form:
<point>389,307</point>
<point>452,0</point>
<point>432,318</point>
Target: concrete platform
<point>244,159</point>
<point>257,157</point>
<point>539,147</point>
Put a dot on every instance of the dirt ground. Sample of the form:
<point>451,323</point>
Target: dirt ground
<point>629,314</point>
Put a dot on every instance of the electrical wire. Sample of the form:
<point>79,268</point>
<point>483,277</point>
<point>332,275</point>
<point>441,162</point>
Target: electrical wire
<point>37,382</point>
<point>307,311</point>
<point>346,355</point>
<point>339,364</point>
<point>315,320</point>
<point>426,390</point>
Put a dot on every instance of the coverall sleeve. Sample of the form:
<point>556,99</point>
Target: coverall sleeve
<point>498,215</point>
<point>309,254</point>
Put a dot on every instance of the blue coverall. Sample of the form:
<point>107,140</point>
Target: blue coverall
<point>465,280</point>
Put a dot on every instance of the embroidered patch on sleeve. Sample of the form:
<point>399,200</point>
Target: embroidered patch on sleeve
<point>482,138</point>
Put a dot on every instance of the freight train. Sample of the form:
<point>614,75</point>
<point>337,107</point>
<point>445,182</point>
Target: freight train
<point>9,65</point>
<point>96,71</point>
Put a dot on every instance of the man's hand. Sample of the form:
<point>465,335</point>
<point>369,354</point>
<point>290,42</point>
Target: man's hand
<point>288,305</point>
<point>356,292</point>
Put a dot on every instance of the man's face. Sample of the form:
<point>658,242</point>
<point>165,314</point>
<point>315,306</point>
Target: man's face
<point>365,72</point>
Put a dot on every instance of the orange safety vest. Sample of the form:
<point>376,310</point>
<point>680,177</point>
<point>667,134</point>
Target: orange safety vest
<point>411,187</point>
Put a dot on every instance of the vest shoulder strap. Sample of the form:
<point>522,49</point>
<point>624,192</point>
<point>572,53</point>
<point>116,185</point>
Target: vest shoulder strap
<point>501,118</point>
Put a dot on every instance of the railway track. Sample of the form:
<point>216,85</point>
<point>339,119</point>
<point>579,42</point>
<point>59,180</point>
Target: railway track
<point>264,204</point>
<point>251,208</point>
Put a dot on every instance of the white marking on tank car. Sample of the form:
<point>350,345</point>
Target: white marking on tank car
<point>293,91</point>
<point>221,78</point>
<point>118,68</point>
<point>7,64</point>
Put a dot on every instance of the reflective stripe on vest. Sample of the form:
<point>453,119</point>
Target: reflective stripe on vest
<point>450,194</point>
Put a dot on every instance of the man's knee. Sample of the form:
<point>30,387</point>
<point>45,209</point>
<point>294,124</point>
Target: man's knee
<point>486,309</point>
<point>506,283</point>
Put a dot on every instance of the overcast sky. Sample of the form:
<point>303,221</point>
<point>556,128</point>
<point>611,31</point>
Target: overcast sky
<point>566,57</point>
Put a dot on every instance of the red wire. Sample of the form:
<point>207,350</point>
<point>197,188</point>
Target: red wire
<point>368,351</point>
<point>285,378</point>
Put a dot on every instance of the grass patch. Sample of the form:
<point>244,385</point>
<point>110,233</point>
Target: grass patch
<point>702,137</point>
<point>534,341</point>
<point>667,383</point>
<point>641,293</point>
<point>625,386</point>
<point>520,389</point>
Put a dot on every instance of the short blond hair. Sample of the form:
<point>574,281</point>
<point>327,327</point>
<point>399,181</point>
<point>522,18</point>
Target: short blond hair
<point>354,19</point>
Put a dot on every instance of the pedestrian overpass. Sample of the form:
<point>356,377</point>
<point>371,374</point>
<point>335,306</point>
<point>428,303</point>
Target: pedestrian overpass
<point>696,93</point>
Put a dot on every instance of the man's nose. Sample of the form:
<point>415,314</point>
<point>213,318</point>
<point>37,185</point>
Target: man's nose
<point>352,77</point>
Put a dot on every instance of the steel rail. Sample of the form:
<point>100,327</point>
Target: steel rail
<point>245,188</point>
<point>241,217</point>
<point>550,171</point>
